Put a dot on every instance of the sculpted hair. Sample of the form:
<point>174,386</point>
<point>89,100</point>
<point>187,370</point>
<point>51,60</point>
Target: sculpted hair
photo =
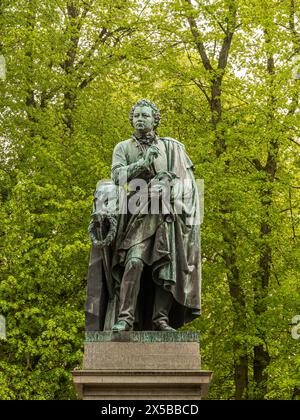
<point>145,102</point>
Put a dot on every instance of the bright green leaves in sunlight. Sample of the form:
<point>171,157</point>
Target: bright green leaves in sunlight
<point>222,75</point>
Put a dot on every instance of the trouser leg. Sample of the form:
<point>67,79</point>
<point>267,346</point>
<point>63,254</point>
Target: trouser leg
<point>130,287</point>
<point>162,305</point>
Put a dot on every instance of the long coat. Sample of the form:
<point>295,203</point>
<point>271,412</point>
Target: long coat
<point>168,242</point>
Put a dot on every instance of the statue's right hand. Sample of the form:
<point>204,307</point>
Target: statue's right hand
<point>151,154</point>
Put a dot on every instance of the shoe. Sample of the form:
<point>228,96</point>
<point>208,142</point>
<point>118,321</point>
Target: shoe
<point>163,326</point>
<point>121,326</point>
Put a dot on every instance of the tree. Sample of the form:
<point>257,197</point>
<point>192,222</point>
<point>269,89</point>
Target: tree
<point>221,73</point>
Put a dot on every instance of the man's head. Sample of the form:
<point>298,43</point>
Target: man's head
<point>144,116</point>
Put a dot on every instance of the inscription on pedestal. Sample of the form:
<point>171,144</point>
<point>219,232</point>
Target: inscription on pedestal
<point>143,336</point>
<point>142,350</point>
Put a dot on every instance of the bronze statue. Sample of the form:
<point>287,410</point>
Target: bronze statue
<point>144,270</point>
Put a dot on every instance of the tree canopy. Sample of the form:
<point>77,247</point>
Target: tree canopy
<point>222,73</point>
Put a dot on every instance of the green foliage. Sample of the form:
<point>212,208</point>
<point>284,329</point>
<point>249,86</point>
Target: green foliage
<point>74,68</point>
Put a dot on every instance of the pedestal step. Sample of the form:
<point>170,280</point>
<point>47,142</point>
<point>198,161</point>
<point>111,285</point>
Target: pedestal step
<point>141,365</point>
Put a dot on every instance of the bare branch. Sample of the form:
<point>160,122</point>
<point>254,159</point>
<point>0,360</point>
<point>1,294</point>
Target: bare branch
<point>292,26</point>
<point>197,38</point>
<point>292,214</point>
<point>231,27</point>
<point>256,163</point>
<point>295,141</point>
<point>199,84</point>
<point>202,88</point>
<point>88,79</point>
<point>296,50</point>
<point>214,18</point>
<point>101,39</point>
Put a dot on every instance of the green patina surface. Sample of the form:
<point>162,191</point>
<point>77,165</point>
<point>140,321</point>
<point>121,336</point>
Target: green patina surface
<point>142,336</point>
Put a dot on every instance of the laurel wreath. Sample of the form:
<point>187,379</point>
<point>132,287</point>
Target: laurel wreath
<point>92,229</point>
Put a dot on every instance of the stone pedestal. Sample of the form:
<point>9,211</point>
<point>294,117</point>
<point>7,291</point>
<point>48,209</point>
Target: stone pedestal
<point>143,365</point>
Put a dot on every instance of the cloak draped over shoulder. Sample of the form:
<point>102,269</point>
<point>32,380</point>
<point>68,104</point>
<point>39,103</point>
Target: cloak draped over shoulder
<point>167,242</point>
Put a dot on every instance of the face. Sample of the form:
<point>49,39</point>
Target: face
<point>143,119</point>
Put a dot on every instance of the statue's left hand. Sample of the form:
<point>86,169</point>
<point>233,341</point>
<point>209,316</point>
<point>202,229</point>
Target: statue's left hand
<point>168,175</point>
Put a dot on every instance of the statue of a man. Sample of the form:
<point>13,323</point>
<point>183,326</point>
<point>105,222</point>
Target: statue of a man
<point>154,261</point>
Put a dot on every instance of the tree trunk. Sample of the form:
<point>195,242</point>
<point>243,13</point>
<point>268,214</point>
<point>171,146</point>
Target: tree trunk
<point>70,97</point>
<point>262,278</point>
<point>229,255</point>
<point>229,236</point>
